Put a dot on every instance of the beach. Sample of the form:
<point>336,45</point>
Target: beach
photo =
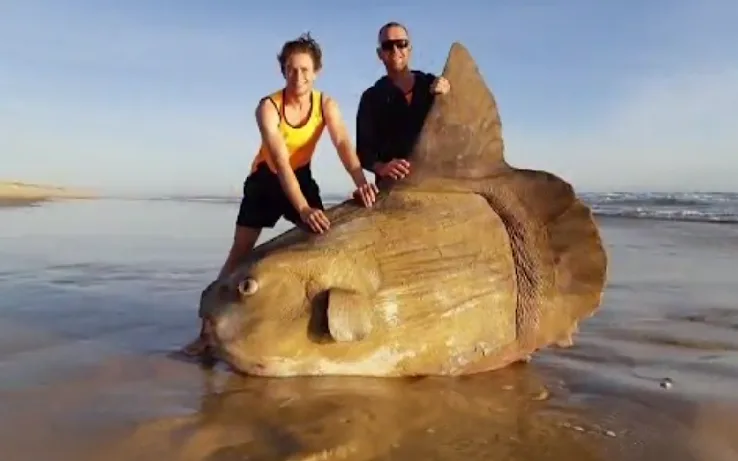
<point>18,193</point>
<point>98,293</point>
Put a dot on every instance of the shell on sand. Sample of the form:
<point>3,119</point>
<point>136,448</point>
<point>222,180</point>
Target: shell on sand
<point>466,265</point>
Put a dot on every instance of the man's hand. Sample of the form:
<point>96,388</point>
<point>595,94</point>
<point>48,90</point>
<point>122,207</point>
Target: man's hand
<point>316,219</point>
<point>440,86</point>
<point>397,168</point>
<point>367,193</point>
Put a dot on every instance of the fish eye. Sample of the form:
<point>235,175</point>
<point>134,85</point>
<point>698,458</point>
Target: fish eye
<point>248,286</point>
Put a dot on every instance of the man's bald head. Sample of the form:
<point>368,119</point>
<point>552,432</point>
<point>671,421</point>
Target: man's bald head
<point>393,29</point>
<point>394,47</point>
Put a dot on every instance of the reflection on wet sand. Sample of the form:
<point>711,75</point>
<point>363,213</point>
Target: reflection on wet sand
<point>142,409</point>
<point>517,414</point>
<point>354,418</point>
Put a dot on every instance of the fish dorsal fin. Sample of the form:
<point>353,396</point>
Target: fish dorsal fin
<point>462,134</point>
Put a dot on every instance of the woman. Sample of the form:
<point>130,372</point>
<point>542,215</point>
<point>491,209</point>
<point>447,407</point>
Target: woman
<point>291,121</point>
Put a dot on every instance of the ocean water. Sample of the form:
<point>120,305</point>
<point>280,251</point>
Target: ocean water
<point>95,295</point>
<point>694,207</point>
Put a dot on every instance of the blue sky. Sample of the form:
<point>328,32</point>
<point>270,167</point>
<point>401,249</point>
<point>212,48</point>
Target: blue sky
<point>159,96</point>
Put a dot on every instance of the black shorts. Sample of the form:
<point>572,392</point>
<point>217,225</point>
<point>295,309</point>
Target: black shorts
<point>264,201</point>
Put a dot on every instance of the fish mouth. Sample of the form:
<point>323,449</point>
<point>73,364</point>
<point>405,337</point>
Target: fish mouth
<point>220,350</point>
<point>223,328</point>
<point>239,367</point>
<point>254,370</point>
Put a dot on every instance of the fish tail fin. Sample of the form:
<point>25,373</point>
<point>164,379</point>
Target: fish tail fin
<point>560,260</point>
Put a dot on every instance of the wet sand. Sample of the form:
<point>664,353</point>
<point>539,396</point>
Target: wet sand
<point>93,307</point>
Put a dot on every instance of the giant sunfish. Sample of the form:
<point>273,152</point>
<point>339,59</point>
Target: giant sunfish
<point>466,265</point>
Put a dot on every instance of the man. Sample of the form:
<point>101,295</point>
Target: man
<point>392,111</point>
<point>291,121</point>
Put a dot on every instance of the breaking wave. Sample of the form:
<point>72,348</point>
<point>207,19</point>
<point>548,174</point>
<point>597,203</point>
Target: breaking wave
<point>721,207</point>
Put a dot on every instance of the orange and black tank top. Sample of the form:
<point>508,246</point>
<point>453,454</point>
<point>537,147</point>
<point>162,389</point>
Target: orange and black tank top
<point>301,140</point>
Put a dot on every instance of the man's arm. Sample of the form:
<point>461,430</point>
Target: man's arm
<point>341,140</point>
<point>267,118</point>
<point>366,134</point>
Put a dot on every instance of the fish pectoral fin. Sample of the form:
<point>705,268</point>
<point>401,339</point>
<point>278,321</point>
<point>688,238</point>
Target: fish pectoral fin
<point>349,315</point>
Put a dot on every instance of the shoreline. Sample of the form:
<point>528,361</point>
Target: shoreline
<point>17,193</point>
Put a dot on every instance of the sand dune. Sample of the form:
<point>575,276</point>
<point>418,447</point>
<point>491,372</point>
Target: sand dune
<point>16,192</point>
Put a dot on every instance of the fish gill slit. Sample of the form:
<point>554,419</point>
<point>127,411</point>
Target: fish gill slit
<point>527,283</point>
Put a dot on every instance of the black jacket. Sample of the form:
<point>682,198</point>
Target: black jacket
<point>386,126</point>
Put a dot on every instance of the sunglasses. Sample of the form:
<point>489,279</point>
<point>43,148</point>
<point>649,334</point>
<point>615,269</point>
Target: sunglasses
<point>400,44</point>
